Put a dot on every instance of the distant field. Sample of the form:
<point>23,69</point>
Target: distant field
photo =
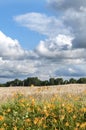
<point>42,92</point>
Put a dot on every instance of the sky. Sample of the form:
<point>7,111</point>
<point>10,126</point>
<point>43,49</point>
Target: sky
<point>42,38</point>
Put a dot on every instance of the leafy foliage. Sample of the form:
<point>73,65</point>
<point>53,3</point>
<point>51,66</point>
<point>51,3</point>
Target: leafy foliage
<point>37,82</point>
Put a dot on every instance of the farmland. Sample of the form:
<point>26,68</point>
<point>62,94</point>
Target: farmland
<point>42,91</point>
<point>43,108</point>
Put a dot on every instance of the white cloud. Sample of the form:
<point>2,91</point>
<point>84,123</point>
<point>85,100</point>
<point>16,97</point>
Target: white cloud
<point>14,60</point>
<point>10,48</point>
<point>54,47</point>
<point>73,14</point>
<point>41,23</point>
<point>62,53</point>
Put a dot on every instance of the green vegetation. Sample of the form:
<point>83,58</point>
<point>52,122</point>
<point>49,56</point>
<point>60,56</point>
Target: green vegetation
<point>58,113</point>
<point>37,82</point>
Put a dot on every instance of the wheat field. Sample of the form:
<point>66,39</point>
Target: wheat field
<point>43,91</point>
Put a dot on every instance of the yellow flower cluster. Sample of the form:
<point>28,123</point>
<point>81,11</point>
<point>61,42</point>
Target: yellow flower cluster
<point>54,114</point>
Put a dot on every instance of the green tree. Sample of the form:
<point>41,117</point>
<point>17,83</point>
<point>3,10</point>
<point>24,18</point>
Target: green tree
<point>72,81</point>
<point>59,81</point>
<point>52,81</point>
<point>81,80</point>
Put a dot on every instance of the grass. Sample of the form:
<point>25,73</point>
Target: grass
<point>64,112</point>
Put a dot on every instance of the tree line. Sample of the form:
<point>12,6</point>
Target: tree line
<point>37,82</point>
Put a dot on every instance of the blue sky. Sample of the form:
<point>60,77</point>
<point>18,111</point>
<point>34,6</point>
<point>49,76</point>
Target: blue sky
<point>11,8</point>
<point>43,38</point>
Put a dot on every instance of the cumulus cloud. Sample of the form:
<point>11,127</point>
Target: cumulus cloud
<point>60,42</point>
<point>77,21</point>
<point>61,53</point>
<point>56,54</point>
<point>73,14</point>
<point>14,60</point>
<point>10,48</point>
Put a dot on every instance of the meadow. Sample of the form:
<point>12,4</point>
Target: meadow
<point>47,108</point>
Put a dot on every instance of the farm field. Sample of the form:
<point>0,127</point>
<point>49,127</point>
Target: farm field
<point>43,108</point>
<point>7,92</point>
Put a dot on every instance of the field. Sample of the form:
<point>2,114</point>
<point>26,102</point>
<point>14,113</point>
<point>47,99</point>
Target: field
<point>43,108</point>
<point>42,91</point>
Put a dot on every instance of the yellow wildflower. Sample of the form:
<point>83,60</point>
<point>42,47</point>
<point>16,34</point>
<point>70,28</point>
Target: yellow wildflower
<point>77,124</point>
<point>8,110</point>
<point>62,117</point>
<point>28,120</point>
<point>83,125</point>
<point>2,129</point>
<point>44,126</point>
<point>36,120</point>
<point>66,124</point>
<point>15,128</point>
<point>63,105</point>
<point>74,116</point>
<point>76,129</point>
<point>54,120</point>
<point>5,124</point>
<point>83,109</point>
<point>33,102</point>
<point>1,118</point>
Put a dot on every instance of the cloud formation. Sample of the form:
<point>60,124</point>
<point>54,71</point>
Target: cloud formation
<point>41,23</point>
<point>14,60</point>
<point>73,15</point>
<point>10,48</point>
<point>62,53</point>
<point>66,4</point>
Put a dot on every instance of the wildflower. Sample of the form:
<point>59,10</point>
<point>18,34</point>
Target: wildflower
<point>2,129</point>
<point>62,117</point>
<point>5,124</point>
<point>33,102</point>
<point>15,128</point>
<point>63,105</point>
<point>69,109</point>
<point>8,110</point>
<point>83,125</point>
<point>46,113</point>
<point>83,110</point>
<point>76,129</point>
<point>44,126</point>
<point>74,116</point>
<point>40,121</point>
<point>54,120</point>
<point>56,129</point>
<point>38,109</point>
<point>36,120</point>
<point>28,120</point>
<point>1,118</point>
<point>22,101</point>
<point>77,124</point>
<point>66,124</point>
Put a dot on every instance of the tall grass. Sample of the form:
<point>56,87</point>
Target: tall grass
<point>67,112</point>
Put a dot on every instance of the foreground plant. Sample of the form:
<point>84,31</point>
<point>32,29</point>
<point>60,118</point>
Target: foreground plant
<point>56,114</point>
